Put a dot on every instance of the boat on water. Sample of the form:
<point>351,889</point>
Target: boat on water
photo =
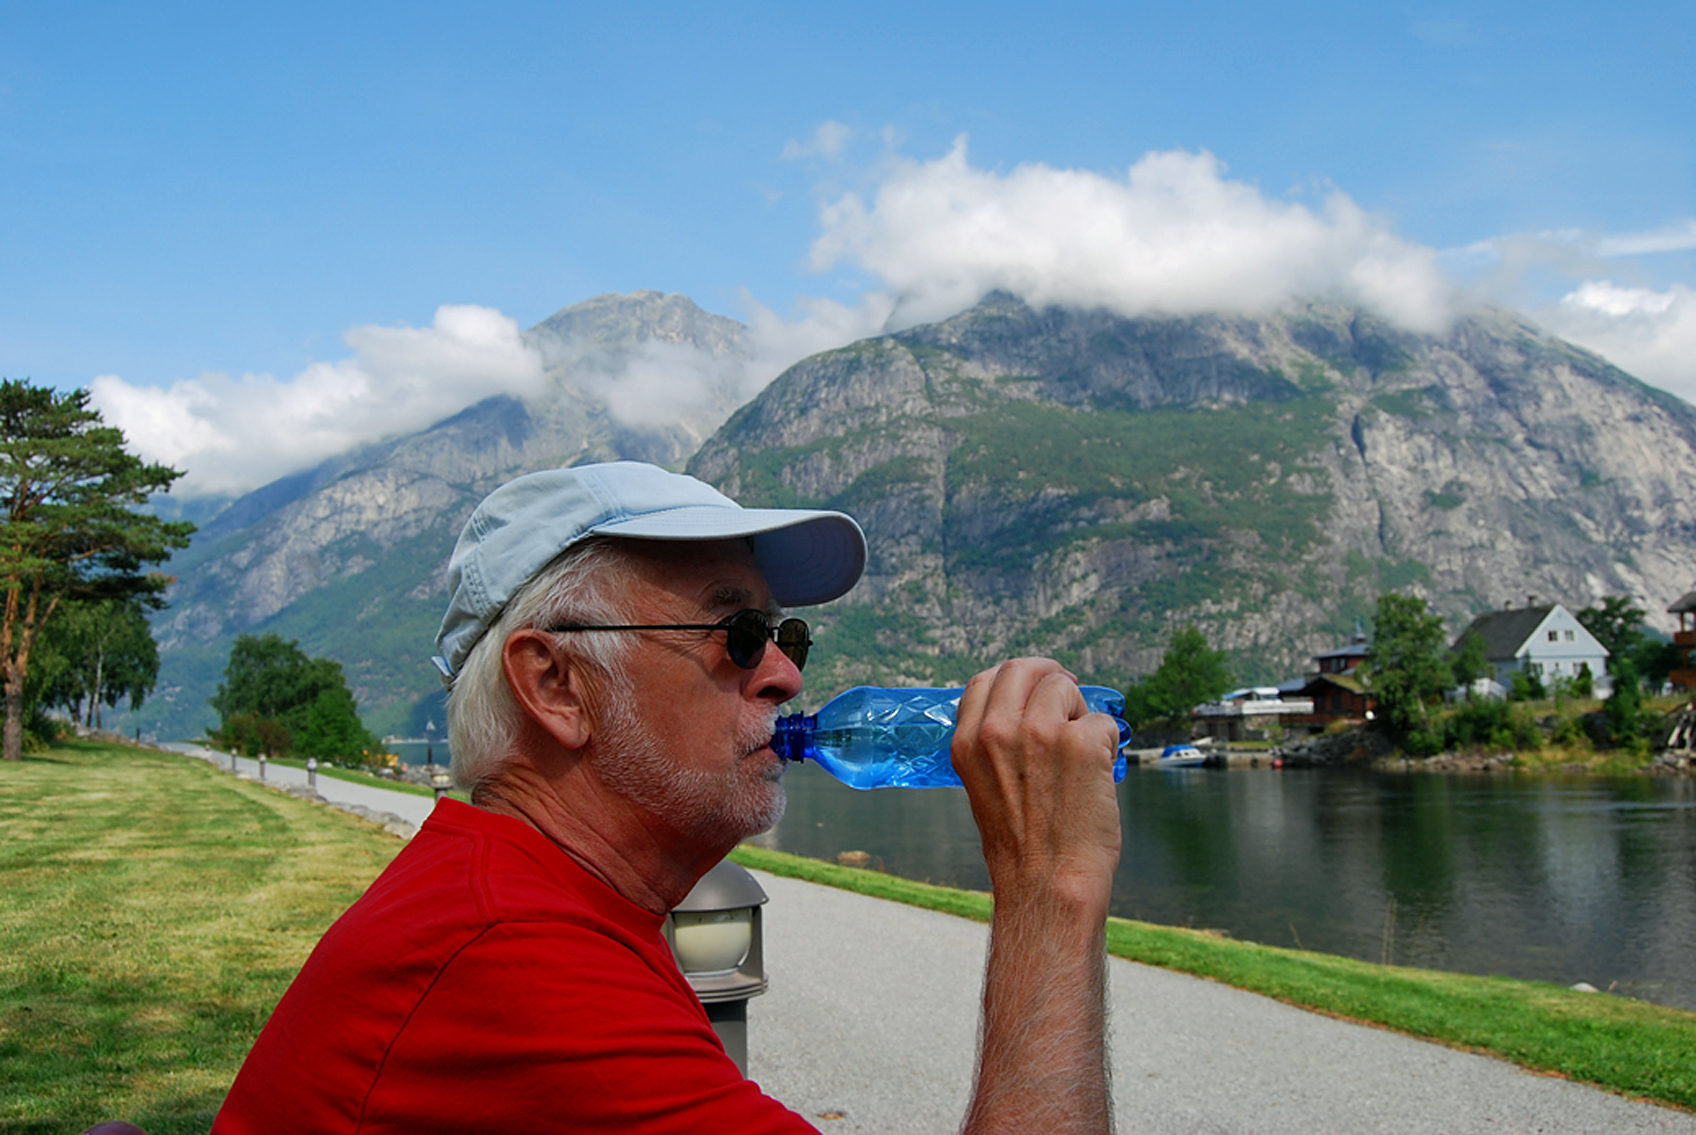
<point>1180,756</point>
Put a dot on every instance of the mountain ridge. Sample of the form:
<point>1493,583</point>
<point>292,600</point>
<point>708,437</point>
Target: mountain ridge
<point>1044,480</point>
<point>1303,462</point>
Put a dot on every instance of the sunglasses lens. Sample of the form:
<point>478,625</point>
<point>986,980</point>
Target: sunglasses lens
<point>746,637</point>
<point>793,640</point>
<point>747,633</point>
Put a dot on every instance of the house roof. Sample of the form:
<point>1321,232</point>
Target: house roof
<point>1685,602</point>
<point>1504,632</point>
<point>1347,682</point>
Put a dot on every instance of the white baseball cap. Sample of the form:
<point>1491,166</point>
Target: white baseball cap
<point>806,555</point>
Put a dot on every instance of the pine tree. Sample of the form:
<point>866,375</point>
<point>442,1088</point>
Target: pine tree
<point>69,530</point>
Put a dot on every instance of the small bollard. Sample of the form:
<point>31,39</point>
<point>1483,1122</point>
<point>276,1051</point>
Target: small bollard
<point>440,782</point>
<point>232,760</point>
<point>261,767</point>
<point>312,773</point>
<point>716,935</point>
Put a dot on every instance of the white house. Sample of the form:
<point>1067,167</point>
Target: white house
<point>1548,641</point>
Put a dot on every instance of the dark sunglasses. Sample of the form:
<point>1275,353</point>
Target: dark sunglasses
<point>746,635</point>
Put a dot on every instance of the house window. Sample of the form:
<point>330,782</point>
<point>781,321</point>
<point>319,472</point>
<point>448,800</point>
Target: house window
<point>1569,636</point>
<point>1554,636</point>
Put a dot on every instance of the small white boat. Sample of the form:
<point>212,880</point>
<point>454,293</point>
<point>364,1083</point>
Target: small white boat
<point>1180,756</point>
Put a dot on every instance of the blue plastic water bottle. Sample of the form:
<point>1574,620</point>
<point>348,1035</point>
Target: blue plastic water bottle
<point>899,738</point>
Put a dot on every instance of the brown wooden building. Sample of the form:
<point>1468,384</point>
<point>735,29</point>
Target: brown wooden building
<point>1333,686</point>
<point>1684,638</point>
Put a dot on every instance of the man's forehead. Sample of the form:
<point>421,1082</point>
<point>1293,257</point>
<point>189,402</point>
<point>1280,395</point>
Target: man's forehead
<point>711,574</point>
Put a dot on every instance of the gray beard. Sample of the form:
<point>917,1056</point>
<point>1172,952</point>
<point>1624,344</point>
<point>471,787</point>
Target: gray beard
<point>632,760</point>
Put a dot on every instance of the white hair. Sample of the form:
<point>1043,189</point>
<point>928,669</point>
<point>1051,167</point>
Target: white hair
<point>577,586</point>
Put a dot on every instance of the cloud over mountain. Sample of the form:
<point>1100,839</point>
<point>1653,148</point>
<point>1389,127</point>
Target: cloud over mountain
<point>233,434</point>
<point>1174,237</point>
<point>1649,333</point>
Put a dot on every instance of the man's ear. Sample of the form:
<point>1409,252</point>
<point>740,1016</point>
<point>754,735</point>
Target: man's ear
<point>548,686</point>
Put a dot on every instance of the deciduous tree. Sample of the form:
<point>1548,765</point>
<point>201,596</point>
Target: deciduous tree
<point>1617,625</point>
<point>1407,669</point>
<point>276,698</point>
<point>1190,673</point>
<point>105,653</point>
<point>1467,661</point>
<point>70,530</point>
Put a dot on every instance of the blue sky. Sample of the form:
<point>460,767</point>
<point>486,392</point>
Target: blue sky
<point>219,190</point>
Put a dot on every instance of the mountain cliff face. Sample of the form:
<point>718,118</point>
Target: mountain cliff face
<point>1081,484</point>
<point>350,557</point>
<point>1053,481</point>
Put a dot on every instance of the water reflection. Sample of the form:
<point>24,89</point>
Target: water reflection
<point>1559,880</point>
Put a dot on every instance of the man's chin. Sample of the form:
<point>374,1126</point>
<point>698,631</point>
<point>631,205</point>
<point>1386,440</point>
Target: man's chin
<point>773,811</point>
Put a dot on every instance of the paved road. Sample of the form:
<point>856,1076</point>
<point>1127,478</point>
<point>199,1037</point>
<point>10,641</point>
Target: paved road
<point>872,1015</point>
<point>406,806</point>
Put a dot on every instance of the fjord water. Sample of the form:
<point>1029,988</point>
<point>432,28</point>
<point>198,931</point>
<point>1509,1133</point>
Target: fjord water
<point>1556,879</point>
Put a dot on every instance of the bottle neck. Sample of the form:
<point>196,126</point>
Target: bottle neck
<point>792,736</point>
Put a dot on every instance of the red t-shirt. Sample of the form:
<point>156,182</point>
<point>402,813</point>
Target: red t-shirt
<point>487,983</point>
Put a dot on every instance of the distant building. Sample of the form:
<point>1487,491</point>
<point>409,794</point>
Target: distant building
<point>1331,690</point>
<point>1249,714</point>
<point>1684,638</point>
<point>1546,641</point>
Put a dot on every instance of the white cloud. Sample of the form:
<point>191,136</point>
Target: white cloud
<point>230,435</point>
<point>1504,261</point>
<point>1174,237</point>
<point>1680,236</point>
<point>828,141</point>
<point>1650,334</point>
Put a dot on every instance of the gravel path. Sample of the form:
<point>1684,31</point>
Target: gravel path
<point>381,804</point>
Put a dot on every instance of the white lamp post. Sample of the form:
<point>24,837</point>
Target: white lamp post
<point>716,935</point>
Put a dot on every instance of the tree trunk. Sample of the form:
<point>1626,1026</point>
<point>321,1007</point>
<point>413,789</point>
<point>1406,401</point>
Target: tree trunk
<point>99,687</point>
<point>13,748</point>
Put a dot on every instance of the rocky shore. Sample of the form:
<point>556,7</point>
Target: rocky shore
<point>1672,749</point>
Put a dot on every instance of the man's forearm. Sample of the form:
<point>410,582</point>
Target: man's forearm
<point>1042,1053</point>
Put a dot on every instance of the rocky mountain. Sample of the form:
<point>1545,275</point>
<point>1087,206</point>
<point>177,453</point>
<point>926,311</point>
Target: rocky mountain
<point>1080,484</point>
<point>350,557</point>
<point>1058,481</point>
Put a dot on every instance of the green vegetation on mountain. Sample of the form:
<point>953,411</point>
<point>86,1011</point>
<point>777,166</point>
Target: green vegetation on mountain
<point>1053,481</point>
<point>1078,484</point>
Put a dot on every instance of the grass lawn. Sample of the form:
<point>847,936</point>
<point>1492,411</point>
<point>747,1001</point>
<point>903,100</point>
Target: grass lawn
<point>1632,1047</point>
<point>152,911</point>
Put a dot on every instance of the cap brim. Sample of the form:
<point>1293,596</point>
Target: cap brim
<point>807,556</point>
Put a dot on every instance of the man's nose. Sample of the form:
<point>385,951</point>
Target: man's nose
<point>776,678</point>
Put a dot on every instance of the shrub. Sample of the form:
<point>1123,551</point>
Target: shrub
<point>1493,724</point>
<point>1526,686</point>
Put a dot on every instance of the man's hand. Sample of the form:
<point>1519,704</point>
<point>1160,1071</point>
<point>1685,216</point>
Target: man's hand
<point>1038,770</point>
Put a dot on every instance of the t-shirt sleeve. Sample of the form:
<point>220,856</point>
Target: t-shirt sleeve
<point>556,1027</point>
